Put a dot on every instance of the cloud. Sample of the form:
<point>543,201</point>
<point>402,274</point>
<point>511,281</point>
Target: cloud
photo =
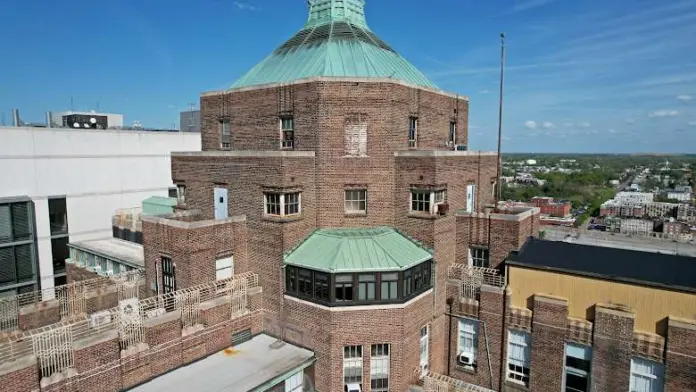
<point>584,125</point>
<point>244,6</point>
<point>530,124</point>
<point>568,125</point>
<point>611,130</point>
<point>684,97</point>
<point>630,121</point>
<point>693,123</point>
<point>663,113</point>
<point>485,91</point>
<point>548,125</point>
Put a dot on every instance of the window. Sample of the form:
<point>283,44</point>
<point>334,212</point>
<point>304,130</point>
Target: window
<point>321,286</point>
<point>172,193</point>
<point>305,282</point>
<point>16,264</point>
<point>355,201</point>
<point>426,201</point>
<point>16,222</point>
<point>452,132</point>
<point>225,134</point>
<point>291,279</point>
<point>470,197</point>
<point>577,368</point>
<point>282,204</point>
<point>294,383</point>
<point>412,131</point>
<point>468,342</point>
<point>58,216</point>
<point>408,282</point>
<point>356,139</point>
<point>646,376</point>
<point>424,350</point>
<point>224,268</point>
<point>388,289</point>
<point>168,275</point>
<point>59,248</point>
<point>344,288</point>
<point>379,368</point>
<point>287,132</point>
<point>480,257</point>
<point>518,357</point>
<point>366,287</point>
<point>352,364</point>
<point>181,194</point>
<point>427,273</point>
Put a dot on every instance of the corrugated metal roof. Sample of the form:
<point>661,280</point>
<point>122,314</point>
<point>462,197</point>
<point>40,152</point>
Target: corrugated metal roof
<point>335,42</point>
<point>358,249</point>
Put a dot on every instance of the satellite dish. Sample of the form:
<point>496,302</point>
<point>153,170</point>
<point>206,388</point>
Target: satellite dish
<point>93,120</point>
<point>87,125</point>
<point>76,125</point>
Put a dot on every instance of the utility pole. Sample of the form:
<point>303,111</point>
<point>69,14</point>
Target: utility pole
<point>500,119</point>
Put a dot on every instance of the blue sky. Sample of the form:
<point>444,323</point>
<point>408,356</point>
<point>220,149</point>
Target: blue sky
<point>582,76</point>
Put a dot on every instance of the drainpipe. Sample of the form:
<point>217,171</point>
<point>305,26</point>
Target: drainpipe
<point>450,301</point>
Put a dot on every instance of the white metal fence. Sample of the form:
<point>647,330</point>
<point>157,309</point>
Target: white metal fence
<point>472,278</point>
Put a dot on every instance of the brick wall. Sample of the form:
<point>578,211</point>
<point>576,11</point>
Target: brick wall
<point>76,273</point>
<point>611,354</point>
<point>549,322</point>
<point>680,363</point>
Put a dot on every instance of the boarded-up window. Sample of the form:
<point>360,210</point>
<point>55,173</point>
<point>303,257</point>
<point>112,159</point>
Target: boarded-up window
<point>356,136</point>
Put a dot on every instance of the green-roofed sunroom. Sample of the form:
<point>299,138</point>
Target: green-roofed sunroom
<point>334,42</point>
<point>353,266</point>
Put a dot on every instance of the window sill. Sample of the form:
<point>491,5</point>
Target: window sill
<point>355,156</point>
<point>516,385</point>
<point>282,219</point>
<point>356,214</point>
<point>422,215</point>
<point>287,148</point>
<point>470,369</point>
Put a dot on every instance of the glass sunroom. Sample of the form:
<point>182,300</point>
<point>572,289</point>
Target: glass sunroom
<point>358,266</point>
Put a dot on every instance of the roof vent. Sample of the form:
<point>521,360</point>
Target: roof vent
<point>326,11</point>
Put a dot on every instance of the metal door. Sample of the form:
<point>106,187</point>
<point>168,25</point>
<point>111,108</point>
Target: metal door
<point>220,203</point>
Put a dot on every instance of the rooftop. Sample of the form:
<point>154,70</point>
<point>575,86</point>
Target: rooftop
<point>358,249</point>
<point>622,265</point>
<point>114,249</point>
<point>255,365</point>
<point>334,42</point>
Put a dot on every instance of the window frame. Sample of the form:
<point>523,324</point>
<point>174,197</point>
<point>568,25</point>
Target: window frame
<point>452,137</point>
<point>361,197</point>
<point>575,371</point>
<point>282,205</point>
<point>424,343</point>
<point>364,285</point>
<point>467,333</point>
<point>478,260</point>
<point>427,200</point>
<point>413,132</point>
<point>347,281</point>
<point>181,194</point>
<point>285,141</point>
<point>391,283</point>
<point>353,355</point>
<point>380,364</point>
<point>522,342</point>
<point>225,134</point>
<point>295,382</point>
<point>221,266</point>
<point>656,378</point>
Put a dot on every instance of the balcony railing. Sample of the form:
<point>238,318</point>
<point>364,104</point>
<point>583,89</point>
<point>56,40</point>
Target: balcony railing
<point>472,278</point>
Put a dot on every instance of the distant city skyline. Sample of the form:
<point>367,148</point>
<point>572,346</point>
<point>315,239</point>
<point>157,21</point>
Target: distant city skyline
<point>587,76</point>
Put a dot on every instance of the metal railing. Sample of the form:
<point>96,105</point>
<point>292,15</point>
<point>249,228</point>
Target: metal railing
<point>71,297</point>
<point>51,343</point>
<point>472,278</point>
<point>433,382</point>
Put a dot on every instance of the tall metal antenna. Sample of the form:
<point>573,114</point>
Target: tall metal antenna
<point>500,119</point>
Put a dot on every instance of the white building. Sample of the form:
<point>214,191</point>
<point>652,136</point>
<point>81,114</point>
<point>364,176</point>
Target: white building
<point>637,226</point>
<point>634,197</point>
<point>531,162</point>
<point>681,196</point>
<point>60,185</point>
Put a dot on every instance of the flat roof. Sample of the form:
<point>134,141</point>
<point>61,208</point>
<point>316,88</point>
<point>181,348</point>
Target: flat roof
<point>114,249</point>
<point>255,365</point>
<point>622,265</point>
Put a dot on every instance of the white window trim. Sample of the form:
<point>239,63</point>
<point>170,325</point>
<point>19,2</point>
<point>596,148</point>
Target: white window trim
<point>471,190</point>
<point>453,140</point>
<point>525,361</point>
<point>295,382</point>
<point>282,133</point>
<point>587,355</point>
<point>471,330</point>
<point>224,268</point>
<point>432,210</point>
<point>413,143</point>
<point>282,204</point>
<point>353,362</point>
<point>346,200</point>
<point>657,377</point>
<point>424,353</point>
<point>381,359</point>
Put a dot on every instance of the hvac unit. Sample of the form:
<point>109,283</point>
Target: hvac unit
<point>461,147</point>
<point>353,387</point>
<point>464,359</point>
<point>89,121</point>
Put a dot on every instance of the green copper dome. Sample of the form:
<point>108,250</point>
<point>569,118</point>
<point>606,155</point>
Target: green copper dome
<point>335,42</point>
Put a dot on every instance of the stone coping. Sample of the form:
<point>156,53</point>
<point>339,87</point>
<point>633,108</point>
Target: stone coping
<point>170,220</point>
<point>246,154</point>
<point>516,214</point>
<point>442,153</point>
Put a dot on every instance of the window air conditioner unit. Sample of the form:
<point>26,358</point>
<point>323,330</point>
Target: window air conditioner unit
<point>465,360</point>
<point>353,387</point>
<point>461,147</point>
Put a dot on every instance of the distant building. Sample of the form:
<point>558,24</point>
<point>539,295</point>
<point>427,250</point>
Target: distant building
<point>634,197</point>
<point>531,161</point>
<point>614,182</point>
<point>684,197</point>
<point>636,226</point>
<point>90,119</point>
<point>548,206</point>
<point>190,121</point>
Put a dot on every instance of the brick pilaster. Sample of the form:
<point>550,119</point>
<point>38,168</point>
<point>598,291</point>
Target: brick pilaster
<point>680,366</point>
<point>549,319</point>
<point>612,352</point>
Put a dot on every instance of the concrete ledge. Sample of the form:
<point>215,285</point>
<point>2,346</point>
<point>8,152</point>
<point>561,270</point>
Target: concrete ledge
<point>168,221</point>
<point>165,318</point>
<point>681,323</point>
<point>515,215</point>
<point>442,153</point>
<point>551,299</point>
<point>333,79</point>
<point>18,364</point>
<point>95,339</point>
<point>616,310</point>
<point>246,154</point>
<point>492,289</point>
